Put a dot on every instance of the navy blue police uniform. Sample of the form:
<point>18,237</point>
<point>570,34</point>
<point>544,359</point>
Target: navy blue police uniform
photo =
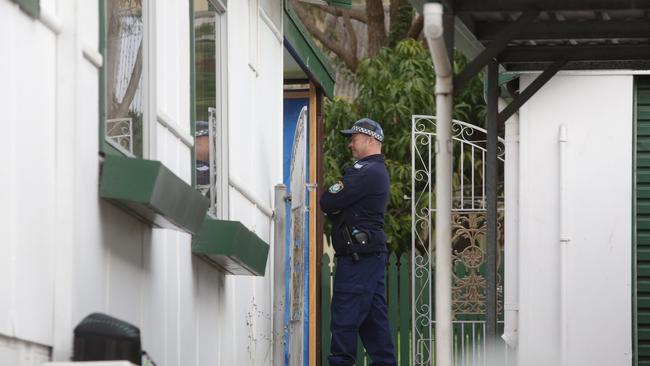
<point>355,205</point>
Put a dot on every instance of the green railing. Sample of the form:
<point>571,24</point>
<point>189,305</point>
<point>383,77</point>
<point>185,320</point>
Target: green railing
<point>398,297</point>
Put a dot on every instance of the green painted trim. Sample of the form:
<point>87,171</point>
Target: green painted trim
<point>231,246</point>
<point>192,95</point>
<point>302,46</point>
<point>635,334</point>
<point>102,78</point>
<point>340,3</point>
<point>150,191</point>
<point>31,7</point>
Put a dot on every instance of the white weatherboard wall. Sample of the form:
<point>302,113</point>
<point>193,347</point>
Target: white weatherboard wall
<point>255,143</point>
<point>66,252</point>
<point>28,205</point>
<point>597,110</point>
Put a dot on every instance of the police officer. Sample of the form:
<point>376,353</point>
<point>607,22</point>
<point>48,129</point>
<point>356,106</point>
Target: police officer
<point>202,148</point>
<point>355,205</point>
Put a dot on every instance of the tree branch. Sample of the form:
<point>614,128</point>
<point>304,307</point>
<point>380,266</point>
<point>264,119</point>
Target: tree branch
<point>393,12</point>
<point>400,18</point>
<point>351,36</point>
<point>122,108</point>
<point>353,13</point>
<point>340,49</point>
<point>416,27</point>
<point>376,27</point>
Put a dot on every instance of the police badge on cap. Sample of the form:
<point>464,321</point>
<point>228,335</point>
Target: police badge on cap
<point>366,126</point>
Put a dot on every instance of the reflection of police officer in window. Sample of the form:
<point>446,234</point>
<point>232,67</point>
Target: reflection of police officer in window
<point>202,146</point>
<point>356,205</point>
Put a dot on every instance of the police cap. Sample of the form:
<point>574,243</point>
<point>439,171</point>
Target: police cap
<point>201,128</point>
<point>367,127</point>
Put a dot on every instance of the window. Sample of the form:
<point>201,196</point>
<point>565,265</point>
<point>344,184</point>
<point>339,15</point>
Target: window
<point>123,94</point>
<point>211,143</point>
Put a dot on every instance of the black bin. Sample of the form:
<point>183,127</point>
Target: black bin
<point>100,337</point>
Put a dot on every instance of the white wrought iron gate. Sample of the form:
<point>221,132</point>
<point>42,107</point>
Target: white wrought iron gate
<point>296,252</point>
<point>468,240</point>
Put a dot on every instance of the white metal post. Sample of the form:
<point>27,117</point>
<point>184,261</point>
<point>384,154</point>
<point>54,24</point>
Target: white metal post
<point>444,316</point>
<point>434,32</point>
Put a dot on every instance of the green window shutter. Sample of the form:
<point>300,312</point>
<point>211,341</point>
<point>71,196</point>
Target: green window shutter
<point>642,222</point>
<point>32,7</point>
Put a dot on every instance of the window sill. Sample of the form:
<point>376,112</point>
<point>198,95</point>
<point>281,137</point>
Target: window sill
<point>151,192</point>
<point>232,247</point>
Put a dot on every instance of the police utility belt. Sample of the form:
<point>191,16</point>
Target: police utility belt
<point>356,241</point>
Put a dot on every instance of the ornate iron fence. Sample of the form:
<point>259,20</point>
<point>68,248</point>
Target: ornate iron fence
<point>468,233</point>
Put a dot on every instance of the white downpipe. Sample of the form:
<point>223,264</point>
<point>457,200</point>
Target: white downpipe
<point>564,243</point>
<point>511,221</point>
<point>433,31</point>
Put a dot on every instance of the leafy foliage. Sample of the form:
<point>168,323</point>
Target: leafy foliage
<point>394,85</point>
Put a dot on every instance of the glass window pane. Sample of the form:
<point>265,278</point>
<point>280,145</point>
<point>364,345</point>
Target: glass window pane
<point>124,99</point>
<point>205,48</point>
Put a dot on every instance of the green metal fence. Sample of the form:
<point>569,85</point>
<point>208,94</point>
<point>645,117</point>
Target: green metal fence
<point>398,297</point>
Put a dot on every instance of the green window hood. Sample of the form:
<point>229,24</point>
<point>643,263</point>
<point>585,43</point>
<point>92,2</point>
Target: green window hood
<point>231,246</point>
<point>151,192</point>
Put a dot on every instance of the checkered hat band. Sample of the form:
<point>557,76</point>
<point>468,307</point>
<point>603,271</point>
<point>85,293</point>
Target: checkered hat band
<point>368,132</point>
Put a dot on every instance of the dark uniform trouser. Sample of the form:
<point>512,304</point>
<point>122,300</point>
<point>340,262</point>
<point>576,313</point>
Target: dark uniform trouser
<point>359,307</point>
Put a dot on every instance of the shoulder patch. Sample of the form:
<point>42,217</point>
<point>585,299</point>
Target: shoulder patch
<point>336,187</point>
<point>359,165</point>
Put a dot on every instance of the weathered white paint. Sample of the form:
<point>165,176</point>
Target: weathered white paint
<point>255,140</point>
<point>597,109</point>
<point>17,352</point>
<point>66,252</point>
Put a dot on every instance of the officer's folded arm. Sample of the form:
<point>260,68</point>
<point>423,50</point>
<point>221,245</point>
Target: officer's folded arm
<point>343,193</point>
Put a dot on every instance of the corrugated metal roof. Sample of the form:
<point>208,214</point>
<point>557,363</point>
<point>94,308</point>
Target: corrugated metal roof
<point>590,34</point>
